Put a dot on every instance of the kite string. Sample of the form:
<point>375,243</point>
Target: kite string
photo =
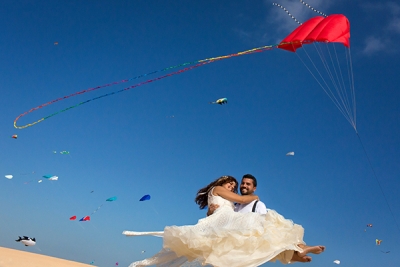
<point>313,9</point>
<point>278,5</point>
<point>323,84</point>
<point>335,74</point>
<point>377,180</point>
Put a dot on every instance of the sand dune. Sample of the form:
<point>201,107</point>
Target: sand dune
<point>16,258</point>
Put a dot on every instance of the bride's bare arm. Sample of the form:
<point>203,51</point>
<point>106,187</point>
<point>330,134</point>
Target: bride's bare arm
<point>222,192</point>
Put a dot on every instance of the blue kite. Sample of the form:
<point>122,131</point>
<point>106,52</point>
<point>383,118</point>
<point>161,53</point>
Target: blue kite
<point>145,197</point>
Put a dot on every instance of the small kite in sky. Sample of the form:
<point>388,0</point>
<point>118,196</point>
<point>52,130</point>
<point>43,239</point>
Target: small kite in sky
<point>27,241</point>
<point>73,218</point>
<point>385,252</point>
<point>14,136</point>
<point>369,225</point>
<point>145,197</point>
<point>55,43</point>
<point>64,152</point>
<point>111,199</point>
<point>50,177</point>
<point>39,181</point>
<point>220,101</point>
<point>290,154</point>
<point>9,176</point>
<point>143,251</point>
<point>84,219</point>
<point>336,261</point>
<point>378,242</point>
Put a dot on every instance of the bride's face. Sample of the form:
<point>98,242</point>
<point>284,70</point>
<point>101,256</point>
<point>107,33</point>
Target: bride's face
<point>229,186</point>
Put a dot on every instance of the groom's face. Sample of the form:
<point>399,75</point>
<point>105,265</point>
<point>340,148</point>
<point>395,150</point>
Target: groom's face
<point>247,187</point>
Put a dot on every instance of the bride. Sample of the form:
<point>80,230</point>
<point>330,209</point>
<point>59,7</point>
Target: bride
<point>228,238</point>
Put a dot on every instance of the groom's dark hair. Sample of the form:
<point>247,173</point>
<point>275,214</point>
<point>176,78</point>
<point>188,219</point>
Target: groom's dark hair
<point>249,176</point>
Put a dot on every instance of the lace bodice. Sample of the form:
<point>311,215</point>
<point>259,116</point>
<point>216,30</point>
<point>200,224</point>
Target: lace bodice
<point>222,202</point>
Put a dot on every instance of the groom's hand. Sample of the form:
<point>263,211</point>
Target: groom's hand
<point>211,209</point>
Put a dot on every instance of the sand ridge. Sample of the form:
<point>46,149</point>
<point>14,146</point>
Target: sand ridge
<point>16,258</point>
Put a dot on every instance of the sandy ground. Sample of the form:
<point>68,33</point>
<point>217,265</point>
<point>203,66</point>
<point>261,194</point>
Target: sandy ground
<point>16,258</point>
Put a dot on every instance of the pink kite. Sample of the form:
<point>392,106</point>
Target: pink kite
<point>331,29</point>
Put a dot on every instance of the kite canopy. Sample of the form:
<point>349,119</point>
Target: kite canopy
<point>84,219</point>
<point>111,199</point>
<point>145,197</point>
<point>331,29</point>
<point>50,177</point>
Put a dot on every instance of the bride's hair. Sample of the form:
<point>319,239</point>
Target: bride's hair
<point>202,195</point>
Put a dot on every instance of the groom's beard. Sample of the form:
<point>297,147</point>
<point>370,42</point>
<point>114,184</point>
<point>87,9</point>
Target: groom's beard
<point>245,192</point>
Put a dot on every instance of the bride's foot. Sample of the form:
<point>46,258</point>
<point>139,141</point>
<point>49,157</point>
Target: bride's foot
<point>296,257</point>
<point>308,249</point>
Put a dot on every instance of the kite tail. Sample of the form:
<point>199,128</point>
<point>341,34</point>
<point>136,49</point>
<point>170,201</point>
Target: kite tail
<point>132,233</point>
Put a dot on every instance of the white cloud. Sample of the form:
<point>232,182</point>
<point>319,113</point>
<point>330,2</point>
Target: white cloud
<point>394,25</point>
<point>374,45</point>
<point>391,27</point>
<point>394,8</point>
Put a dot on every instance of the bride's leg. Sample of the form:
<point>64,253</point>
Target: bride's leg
<point>308,249</point>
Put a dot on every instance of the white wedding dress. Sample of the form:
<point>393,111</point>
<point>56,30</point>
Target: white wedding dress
<point>227,238</point>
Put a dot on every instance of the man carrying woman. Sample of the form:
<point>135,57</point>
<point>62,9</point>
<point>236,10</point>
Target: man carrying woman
<point>229,238</point>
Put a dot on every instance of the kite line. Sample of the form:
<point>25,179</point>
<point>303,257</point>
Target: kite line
<point>313,9</point>
<point>287,12</point>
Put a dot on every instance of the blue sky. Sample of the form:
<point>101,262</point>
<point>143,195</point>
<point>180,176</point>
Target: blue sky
<point>166,140</point>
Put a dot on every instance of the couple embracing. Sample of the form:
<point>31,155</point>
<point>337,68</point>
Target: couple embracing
<point>232,235</point>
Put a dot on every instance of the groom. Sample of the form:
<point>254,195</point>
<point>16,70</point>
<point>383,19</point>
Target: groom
<point>247,187</point>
